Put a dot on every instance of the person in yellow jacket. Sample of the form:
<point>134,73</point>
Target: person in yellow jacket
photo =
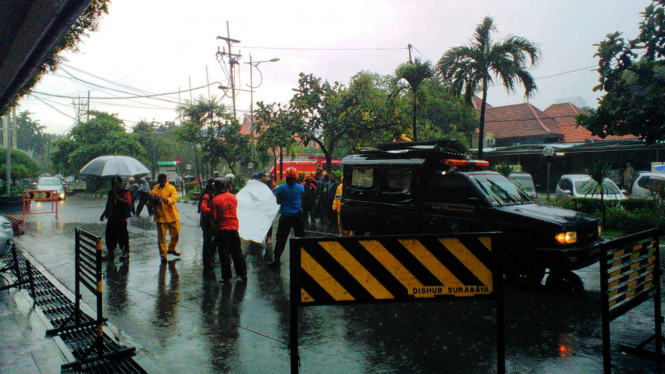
<point>337,207</point>
<point>166,215</point>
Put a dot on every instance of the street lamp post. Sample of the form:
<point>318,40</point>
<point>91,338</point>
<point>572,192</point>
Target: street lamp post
<point>548,152</point>
<point>254,64</point>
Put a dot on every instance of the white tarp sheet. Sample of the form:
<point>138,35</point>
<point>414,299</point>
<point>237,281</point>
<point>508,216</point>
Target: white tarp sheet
<point>257,209</point>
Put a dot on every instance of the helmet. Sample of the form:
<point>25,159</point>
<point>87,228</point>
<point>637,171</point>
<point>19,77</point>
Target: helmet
<point>291,172</point>
<point>255,175</point>
<point>131,179</point>
<point>229,176</point>
<point>309,176</point>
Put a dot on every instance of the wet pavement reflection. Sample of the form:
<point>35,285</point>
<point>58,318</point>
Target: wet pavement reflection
<point>185,320</point>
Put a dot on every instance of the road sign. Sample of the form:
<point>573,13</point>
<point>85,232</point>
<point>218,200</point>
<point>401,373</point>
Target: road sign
<point>177,161</point>
<point>630,275</point>
<point>352,270</point>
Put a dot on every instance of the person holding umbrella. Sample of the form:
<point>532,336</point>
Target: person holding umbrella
<point>164,197</point>
<point>117,212</point>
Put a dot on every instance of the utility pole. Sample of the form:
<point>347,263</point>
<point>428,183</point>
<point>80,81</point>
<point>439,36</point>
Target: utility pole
<point>233,60</point>
<point>88,120</point>
<point>410,53</point>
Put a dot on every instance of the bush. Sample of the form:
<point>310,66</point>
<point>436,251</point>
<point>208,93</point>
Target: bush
<point>637,204</point>
<point>192,186</point>
<point>633,221</point>
<point>193,194</point>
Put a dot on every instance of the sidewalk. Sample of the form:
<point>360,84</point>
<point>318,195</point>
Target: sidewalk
<point>25,347</point>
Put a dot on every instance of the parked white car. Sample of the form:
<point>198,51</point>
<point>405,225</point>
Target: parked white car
<point>525,182</point>
<point>52,184</point>
<point>6,233</point>
<point>581,185</point>
<point>644,182</point>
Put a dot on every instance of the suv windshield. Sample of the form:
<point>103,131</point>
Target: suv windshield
<point>49,181</point>
<point>526,183</point>
<point>589,187</point>
<point>499,190</point>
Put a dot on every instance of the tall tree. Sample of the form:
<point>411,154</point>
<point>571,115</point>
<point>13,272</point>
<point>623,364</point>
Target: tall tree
<point>30,135</point>
<point>415,74</point>
<point>103,135</point>
<point>472,68</point>
<point>634,100</point>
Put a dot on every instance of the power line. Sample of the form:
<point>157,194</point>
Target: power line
<point>328,49</point>
<point>56,109</point>
<point>129,97</point>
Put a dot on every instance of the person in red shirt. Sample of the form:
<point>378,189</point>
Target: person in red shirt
<point>224,212</point>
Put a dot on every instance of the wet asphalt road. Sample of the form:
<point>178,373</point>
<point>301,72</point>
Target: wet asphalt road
<point>186,322</point>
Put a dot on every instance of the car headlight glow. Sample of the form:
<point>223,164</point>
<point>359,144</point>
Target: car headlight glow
<point>569,237</point>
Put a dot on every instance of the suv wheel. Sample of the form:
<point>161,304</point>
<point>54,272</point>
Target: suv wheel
<point>565,281</point>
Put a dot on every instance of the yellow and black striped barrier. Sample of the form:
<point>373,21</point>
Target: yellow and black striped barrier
<point>351,270</point>
<point>630,275</point>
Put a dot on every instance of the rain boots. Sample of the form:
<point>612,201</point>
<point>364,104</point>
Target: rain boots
<point>125,254</point>
<point>109,256</point>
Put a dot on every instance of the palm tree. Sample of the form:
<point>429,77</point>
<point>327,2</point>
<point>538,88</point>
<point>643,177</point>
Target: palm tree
<point>471,68</point>
<point>415,73</point>
<point>599,172</point>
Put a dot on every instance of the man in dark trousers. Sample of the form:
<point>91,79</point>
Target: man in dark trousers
<point>308,199</point>
<point>224,212</point>
<point>117,212</point>
<point>332,187</point>
<point>207,225</point>
<point>289,196</point>
<point>322,202</point>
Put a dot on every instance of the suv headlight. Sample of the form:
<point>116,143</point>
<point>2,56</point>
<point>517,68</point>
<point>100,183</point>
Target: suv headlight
<point>569,237</point>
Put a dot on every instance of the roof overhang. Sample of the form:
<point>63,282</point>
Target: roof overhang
<point>30,30</point>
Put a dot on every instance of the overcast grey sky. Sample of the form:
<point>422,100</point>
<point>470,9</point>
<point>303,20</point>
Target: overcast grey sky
<point>157,45</point>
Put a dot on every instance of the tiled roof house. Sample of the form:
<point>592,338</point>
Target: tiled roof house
<point>520,124</point>
<point>564,114</point>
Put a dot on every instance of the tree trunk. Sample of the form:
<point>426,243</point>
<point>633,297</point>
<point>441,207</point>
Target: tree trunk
<point>281,163</point>
<point>274,153</point>
<point>481,128</point>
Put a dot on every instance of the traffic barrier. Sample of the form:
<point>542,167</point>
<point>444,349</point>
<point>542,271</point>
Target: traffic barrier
<point>16,224</point>
<point>630,275</point>
<point>353,270</point>
<point>14,267</point>
<point>88,272</point>
<point>38,195</point>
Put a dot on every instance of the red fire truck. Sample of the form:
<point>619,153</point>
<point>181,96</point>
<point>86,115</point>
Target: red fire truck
<point>304,166</point>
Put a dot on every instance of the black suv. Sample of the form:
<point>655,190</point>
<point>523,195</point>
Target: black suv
<point>430,187</point>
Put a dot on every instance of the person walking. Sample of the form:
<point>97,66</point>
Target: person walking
<point>322,202</point>
<point>207,225</point>
<point>309,198</point>
<point>167,218</point>
<point>332,188</point>
<point>337,207</point>
<point>289,196</point>
<point>224,212</point>
<point>144,195</point>
<point>117,212</point>
<point>133,189</point>
<point>628,175</point>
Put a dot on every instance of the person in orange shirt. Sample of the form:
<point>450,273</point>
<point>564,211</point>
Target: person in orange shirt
<point>164,197</point>
<point>224,213</point>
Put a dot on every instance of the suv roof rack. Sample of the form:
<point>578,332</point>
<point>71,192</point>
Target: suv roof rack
<point>451,148</point>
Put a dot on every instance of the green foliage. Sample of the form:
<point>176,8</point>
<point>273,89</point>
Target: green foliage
<point>634,100</point>
<point>633,221</point>
<point>657,192</point>
<point>504,169</point>
<point>638,204</point>
<point>30,135</point>
<point>192,186</point>
<point>102,135</point>
<point>471,68</point>
<point>415,74</point>
<point>22,166</point>
<point>599,172</point>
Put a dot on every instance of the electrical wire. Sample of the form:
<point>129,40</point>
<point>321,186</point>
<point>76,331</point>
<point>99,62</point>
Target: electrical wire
<point>130,97</point>
<point>327,49</point>
<point>56,109</point>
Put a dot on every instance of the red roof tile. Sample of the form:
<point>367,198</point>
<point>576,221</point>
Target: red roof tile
<point>563,113</point>
<point>573,134</point>
<point>477,102</point>
<point>519,121</point>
